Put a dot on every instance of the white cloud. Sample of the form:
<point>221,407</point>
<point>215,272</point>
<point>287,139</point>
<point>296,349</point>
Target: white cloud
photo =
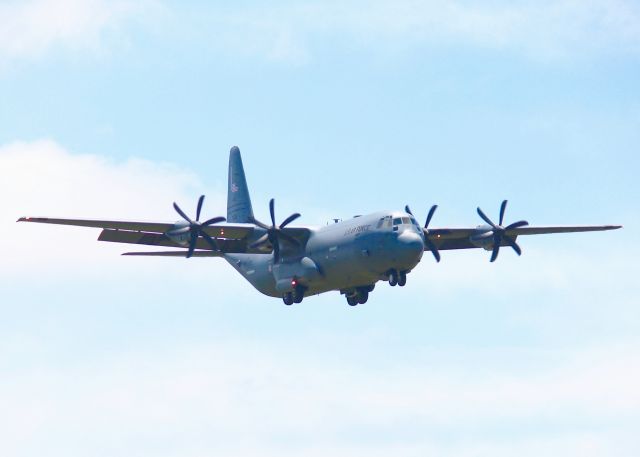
<point>248,400</point>
<point>31,28</point>
<point>540,30</point>
<point>41,178</point>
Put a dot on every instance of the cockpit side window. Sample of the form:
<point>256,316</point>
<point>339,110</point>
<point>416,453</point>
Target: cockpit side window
<point>397,221</point>
<point>406,220</point>
<point>384,222</point>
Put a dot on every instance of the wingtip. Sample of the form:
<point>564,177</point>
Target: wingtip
<point>23,219</point>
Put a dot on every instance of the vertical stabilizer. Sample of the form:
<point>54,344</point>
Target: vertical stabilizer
<point>238,201</point>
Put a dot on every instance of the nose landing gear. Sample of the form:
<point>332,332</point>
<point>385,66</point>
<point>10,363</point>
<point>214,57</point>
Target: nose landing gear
<point>397,278</point>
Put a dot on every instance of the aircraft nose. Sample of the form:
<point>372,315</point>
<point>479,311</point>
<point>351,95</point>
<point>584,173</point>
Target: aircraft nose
<point>410,247</point>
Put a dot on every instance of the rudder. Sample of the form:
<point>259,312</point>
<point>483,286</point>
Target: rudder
<point>238,201</point>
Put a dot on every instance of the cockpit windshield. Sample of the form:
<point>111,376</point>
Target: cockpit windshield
<point>402,223</point>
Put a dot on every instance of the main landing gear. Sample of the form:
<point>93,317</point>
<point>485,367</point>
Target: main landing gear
<point>359,296</point>
<point>294,297</point>
<point>396,277</point>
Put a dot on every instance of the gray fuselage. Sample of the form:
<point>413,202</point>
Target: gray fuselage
<point>341,256</point>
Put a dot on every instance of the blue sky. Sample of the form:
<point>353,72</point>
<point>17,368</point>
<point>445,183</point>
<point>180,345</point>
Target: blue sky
<point>116,109</point>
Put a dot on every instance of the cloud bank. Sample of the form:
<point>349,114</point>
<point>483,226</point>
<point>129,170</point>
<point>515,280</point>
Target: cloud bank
<point>542,30</point>
<point>41,178</point>
<point>244,400</point>
<point>31,28</point>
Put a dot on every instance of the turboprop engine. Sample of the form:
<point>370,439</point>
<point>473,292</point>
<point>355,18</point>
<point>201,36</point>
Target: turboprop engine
<point>491,237</point>
<point>483,238</point>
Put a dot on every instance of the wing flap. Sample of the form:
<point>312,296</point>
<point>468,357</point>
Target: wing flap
<point>158,239</point>
<point>174,254</point>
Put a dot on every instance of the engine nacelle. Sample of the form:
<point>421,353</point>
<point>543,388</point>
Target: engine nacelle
<point>181,239</point>
<point>483,238</point>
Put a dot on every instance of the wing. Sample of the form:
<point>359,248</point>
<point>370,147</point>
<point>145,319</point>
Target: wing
<point>459,238</point>
<point>230,238</point>
<point>232,231</point>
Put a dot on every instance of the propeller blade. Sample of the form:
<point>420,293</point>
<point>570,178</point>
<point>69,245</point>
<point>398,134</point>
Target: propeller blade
<point>213,220</point>
<point>290,219</point>
<point>288,237</point>
<point>432,247</point>
<point>272,212</point>
<point>276,252</point>
<point>430,215</point>
<point>496,248</point>
<point>513,244</point>
<point>260,241</point>
<point>192,244</point>
<point>406,208</point>
<point>179,231</point>
<point>503,207</point>
<point>181,213</point>
<point>486,219</point>
<point>210,240</point>
<point>199,208</point>
<point>516,225</point>
<point>262,225</point>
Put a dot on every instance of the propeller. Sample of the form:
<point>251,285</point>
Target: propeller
<point>499,231</point>
<point>274,232</point>
<point>432,247</point>
<point>196,228</point>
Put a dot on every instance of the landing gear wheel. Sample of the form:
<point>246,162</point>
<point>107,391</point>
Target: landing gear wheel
<point>352,300</point>
<point>288,298</point>
<point>393,277</point>
<point>363,297</point>
<point>298,295</point>
<point>402,279</point>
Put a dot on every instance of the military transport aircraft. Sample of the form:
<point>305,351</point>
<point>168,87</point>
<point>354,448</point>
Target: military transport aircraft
<point>295,262</point>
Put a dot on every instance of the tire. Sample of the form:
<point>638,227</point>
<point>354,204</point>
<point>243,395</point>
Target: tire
<point>393,278</point>
<point>352,300</point>
<point>402,279</point>
<point>288,299</point>
<point>363,297</point>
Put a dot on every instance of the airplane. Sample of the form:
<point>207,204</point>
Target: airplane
<point>292,263</point>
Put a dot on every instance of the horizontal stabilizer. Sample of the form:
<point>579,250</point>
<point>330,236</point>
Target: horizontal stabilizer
<point>175,253</point>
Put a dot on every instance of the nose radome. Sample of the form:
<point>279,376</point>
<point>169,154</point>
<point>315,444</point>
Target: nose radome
<point>411,246</point>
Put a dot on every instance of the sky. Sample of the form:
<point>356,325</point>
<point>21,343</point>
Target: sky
<point>116,109</point>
